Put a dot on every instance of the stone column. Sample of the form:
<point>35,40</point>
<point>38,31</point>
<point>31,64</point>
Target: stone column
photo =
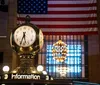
<point>98,19</point>
<point>12,20</point>
<point>94,60</point>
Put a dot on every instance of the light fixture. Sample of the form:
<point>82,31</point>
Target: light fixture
<point>3,84</point>
<point>6,69</point>
<point>44,72</point>
<point>14,71</point>
<point>33,71</point>
<point>40,68</point>
<point>59,51</point>
<point>62,70</point>
<point>51,78</point>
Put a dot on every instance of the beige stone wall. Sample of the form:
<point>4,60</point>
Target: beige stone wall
<point>11,25</point>
<point>93,45</point>
<point>93,58</point>
<point>5,41</point>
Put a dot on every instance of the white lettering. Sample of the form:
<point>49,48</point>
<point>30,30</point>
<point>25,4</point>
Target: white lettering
<point>47,77</point>
<point>31,76</point>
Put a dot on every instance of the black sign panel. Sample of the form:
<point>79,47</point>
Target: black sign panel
<point>27,76</point>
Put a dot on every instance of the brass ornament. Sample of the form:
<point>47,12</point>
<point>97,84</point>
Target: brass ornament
<point>59,51</point>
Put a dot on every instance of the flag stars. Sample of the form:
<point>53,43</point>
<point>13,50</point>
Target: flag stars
<point>27,6</point>
<point>31,4</point>
<point>44,2</point>
<point>39,6</point>
<point>34,7</point>
<point>44,11</point>
<point>34,11</point>
<point>19,6</point>
<point>24,11</point>
<point>38,11</point>
<point>41,9</point>
<point>21,9</point>
<point>31,9</point>
<point>36,4</point>
<point>44,7</point>
<point>28,11</point>
<point>24,2</point>
<point>24,6</point>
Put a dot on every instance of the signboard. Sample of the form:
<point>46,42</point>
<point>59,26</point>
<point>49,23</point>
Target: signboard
<point>27,76</point>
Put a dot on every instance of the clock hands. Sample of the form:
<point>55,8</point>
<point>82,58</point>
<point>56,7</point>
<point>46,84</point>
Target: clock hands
<point>23,38</point>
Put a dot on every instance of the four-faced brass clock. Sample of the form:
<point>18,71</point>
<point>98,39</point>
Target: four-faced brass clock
<point>26,39</point>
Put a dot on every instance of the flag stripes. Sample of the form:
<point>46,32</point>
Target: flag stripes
<point>67,16</point>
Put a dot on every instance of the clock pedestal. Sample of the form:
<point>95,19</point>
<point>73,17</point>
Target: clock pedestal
<point>26,40</point>
<point>26,65</point>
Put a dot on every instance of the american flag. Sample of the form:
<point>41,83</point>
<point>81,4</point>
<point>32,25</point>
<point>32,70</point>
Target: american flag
<point>60,16</point>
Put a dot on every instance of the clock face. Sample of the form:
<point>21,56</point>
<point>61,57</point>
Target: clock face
<point>41,39</point>
<point>24,36</point>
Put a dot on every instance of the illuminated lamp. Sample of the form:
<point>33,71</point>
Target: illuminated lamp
<point>44,72</point>
<point>5,69</point>
<point>62,70</point>
<point>40,68</point>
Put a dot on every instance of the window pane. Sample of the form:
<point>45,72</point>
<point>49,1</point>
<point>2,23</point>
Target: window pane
<point>73,66</point>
